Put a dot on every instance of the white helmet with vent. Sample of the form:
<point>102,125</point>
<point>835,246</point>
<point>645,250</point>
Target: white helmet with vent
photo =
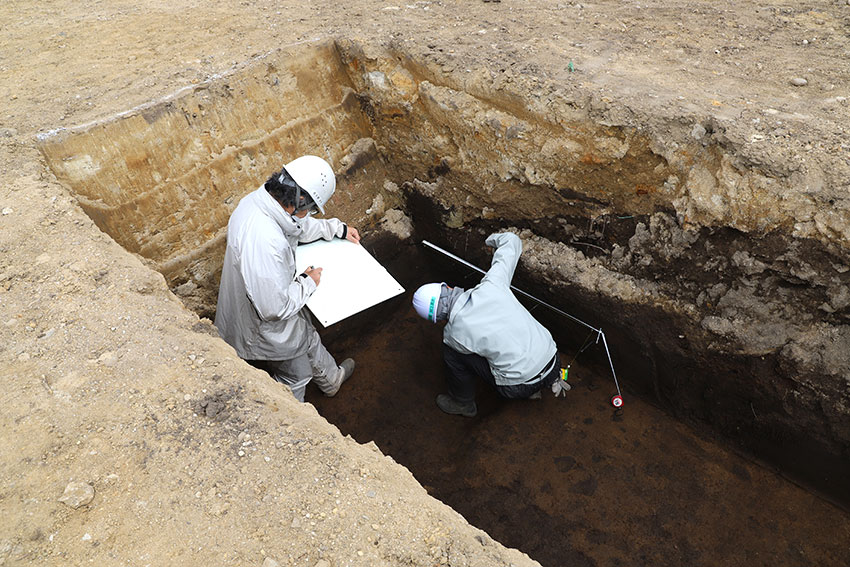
<point>315,176</point>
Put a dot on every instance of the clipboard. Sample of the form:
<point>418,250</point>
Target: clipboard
<point>352,280</point>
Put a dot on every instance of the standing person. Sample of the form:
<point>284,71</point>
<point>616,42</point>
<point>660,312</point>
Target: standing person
<point>489,334</point>
<point>261,300</point>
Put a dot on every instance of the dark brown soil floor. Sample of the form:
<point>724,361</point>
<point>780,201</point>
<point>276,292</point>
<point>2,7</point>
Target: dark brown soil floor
<point>566,480</point>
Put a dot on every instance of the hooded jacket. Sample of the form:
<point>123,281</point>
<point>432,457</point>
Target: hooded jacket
<point>489,321</point>
<point>260,299</point>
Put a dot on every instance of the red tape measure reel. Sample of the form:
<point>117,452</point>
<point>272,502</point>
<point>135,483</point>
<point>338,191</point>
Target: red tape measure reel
<point>617,401</point>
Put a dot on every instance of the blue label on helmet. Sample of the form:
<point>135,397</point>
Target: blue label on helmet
<point>431,309</point>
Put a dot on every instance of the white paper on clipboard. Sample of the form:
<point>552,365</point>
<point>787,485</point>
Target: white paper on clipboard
<point>352,280</point>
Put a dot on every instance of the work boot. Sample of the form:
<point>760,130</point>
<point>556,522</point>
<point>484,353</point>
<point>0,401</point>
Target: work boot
<point>344,372</point>
<point>449,405</point>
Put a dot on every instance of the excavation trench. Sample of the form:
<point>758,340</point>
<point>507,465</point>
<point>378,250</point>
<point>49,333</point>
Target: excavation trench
<point>712,322</point>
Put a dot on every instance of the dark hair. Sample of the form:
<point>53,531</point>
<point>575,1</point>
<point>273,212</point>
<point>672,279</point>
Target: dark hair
<point>285,191</point>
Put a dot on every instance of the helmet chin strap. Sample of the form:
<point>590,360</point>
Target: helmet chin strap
<point>297,202</point>
<point>298,207</point>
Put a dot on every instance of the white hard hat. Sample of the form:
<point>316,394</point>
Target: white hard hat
<point>315,176</point>
<point>425,300</point>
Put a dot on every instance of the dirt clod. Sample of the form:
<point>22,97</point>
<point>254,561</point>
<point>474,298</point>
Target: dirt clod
<point>77,494</point>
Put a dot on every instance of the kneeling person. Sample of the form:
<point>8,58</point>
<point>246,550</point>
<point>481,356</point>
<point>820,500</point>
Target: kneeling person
<point>489,334</point>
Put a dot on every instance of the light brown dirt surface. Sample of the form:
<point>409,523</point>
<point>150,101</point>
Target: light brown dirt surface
<point>190,456</point>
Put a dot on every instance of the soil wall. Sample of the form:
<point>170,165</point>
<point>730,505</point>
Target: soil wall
<point>163,178</point>
<point>726,278</point>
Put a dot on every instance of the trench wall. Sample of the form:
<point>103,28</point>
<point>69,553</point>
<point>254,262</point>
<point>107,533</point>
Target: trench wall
<point>163,179</point>
<point>725,282</point>
<point>724,278</point>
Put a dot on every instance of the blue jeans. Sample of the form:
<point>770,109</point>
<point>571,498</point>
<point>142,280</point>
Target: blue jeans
<point>463,371</point>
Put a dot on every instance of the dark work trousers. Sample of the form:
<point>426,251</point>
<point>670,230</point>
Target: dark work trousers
<point>463,371</point>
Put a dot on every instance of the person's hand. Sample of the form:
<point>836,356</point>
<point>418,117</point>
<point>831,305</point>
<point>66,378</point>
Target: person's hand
<point>314,273</point>
<point>353,235</point>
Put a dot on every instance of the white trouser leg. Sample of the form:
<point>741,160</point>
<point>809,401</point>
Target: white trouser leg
<point>316,364</point>
<point>299,389</point>
<point>295,373</point>
<point>325,370</point>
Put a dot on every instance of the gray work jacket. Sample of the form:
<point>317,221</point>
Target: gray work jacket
<point>260,298</point>
<point>489,321</point>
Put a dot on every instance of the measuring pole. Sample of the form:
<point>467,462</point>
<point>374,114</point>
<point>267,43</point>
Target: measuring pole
<point>616,401</point>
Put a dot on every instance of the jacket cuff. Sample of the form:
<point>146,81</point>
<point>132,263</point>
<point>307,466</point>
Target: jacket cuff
<point>344,231</point>
<point>307,283</point>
